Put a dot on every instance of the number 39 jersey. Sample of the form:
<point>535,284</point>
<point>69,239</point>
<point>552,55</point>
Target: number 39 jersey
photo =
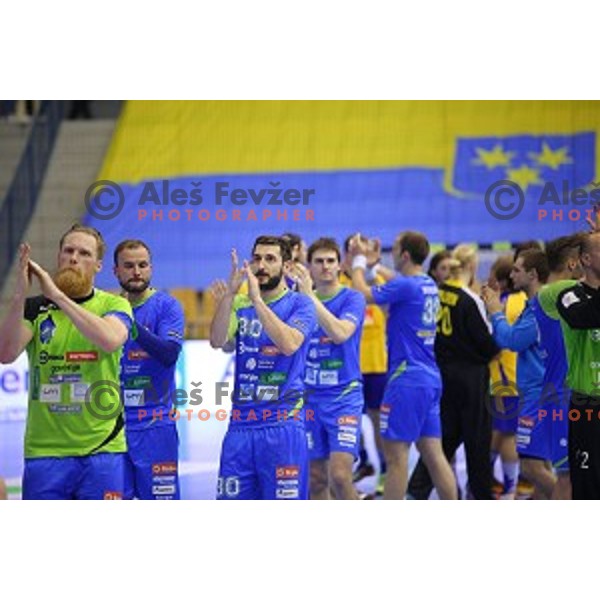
<point>411,327</point>
<point>267,381</point>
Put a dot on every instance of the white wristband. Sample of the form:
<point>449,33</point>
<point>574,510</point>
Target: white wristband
<point>359,262</point>
<point>372,272</point>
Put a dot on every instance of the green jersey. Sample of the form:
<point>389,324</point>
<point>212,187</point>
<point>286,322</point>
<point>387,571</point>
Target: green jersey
<point>74,404</point>
<point>574,303</point>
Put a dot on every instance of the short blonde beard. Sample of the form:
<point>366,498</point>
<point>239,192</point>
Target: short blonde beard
<point>73,283</point>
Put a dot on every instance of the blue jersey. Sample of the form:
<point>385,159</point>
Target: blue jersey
<point>269,384</point>
<point>332,366</point>
<point>553,352</point>
<point>149,385</point>
<point>411,326</point>
<point>523,337</point>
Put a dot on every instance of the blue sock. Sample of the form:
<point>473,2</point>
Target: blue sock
<point>511,476</point>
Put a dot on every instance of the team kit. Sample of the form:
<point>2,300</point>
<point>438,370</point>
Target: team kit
<point>322,336</point>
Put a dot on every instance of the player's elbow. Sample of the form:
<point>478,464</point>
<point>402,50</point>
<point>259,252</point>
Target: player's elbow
<point>216,343</point>
<point>291,345</point>
<point>8,356</point>
<point>114,342</point>
<point>344,333</point>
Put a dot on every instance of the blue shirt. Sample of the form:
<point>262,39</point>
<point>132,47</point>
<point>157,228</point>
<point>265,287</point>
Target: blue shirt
<point>265,379</point>
<point>523,337</point>
<point>411,326</point>
<point>553,353</point>
<point>331,366</point>
<point>147,383</point>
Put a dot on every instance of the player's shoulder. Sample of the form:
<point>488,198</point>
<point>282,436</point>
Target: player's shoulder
<point>353,297</point>
<point>107,301</point>
<point>298,299</point>
<point>36,305</point>
<point>163,299</point>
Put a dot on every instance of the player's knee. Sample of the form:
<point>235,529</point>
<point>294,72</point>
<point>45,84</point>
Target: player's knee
<point>318,478</point>
<point>341,475</point>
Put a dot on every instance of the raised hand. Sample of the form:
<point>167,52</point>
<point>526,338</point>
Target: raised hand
<point>373,252</point>
<point>253,285</point>
<point>358,245</point>
<point>301,275</point>
<point>218,290</point>
<point>24,273</point>
<point>47,285</point>
<point>491,299</point>
<point>236,276</point>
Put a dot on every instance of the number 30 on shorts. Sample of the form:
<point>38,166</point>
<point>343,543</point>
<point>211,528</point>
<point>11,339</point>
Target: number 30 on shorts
<point>228,486</point>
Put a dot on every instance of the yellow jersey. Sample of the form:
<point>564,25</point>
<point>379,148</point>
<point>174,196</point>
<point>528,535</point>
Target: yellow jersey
<point>373,352</point>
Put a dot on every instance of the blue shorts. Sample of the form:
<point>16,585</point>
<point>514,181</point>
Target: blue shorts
<point>560,443</point>
<point>264,463</point>
<point>151,471</point>
<point>534,430</point>
<point>505,414</point>
<point>334,425</point>
<point>410,412</point>
<point>373,389</point>
<point>557,409</point>
<point>95,477</point>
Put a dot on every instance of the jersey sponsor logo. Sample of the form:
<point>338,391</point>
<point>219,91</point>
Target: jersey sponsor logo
<point>164,468</point>
<point>310,376</point>
<point>270,351</point>
<point>251,364</point>
<point>287,472</point>
<point>50,392</point>
<point>79,392</point>
<point>162,490</point>
<point>133,397</point>
<point>142,381</point>
<point>248,377</point>
<point>328,378</point>
<point>63,409</point>
<point>47,329</point>
<point>245,348</point>
<point>65,378</point>
<point>83,356</point>
<point>348,420</point>
<point>273,378</point>
<point>332,364</point>
<point>137,355</point>
<point>44,357</point>
<point>526,422</point>
<point>287,493</point>
<point>246,391</point>
<point>113,495</point>
<point>569,298</point>
<point>268,365</point>
<point>164,479</point>
<point>345,436</point>
<point>267,392</point>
